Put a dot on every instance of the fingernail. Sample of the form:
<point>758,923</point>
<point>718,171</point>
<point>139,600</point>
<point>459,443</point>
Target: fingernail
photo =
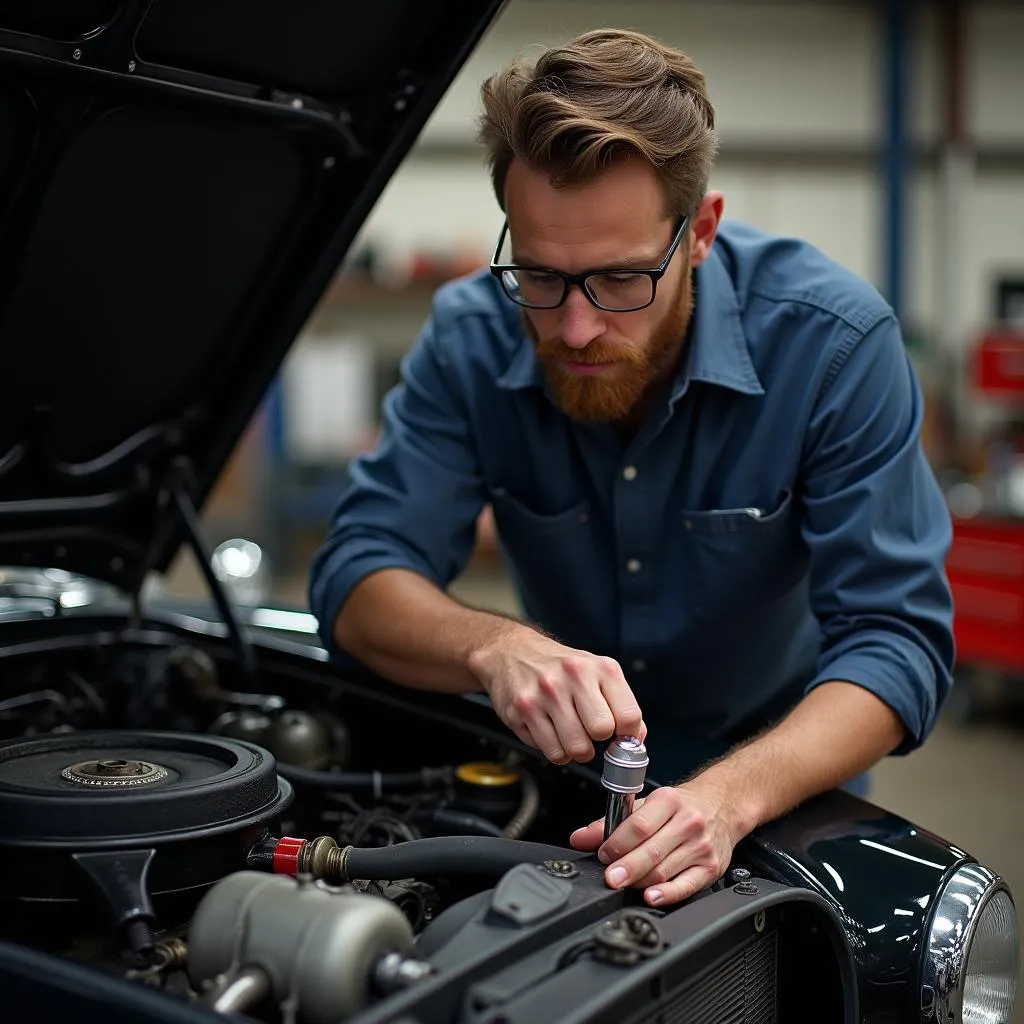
<point>655,896</point>
<point>603,857</point>
<point>617,876</point>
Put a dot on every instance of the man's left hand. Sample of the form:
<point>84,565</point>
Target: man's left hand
<point>677,842</point>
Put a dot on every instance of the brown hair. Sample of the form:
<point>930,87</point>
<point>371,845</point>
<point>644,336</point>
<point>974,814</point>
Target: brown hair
<point>605,93</point>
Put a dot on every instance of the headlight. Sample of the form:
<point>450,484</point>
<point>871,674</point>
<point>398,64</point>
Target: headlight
<point>972,961</point>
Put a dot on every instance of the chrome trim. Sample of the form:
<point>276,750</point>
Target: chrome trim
<point>958,907</point>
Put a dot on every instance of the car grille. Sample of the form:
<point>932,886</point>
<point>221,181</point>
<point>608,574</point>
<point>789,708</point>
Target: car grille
<point>741,989</point>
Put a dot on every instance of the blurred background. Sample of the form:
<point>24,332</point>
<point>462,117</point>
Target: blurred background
<point>889,134</point>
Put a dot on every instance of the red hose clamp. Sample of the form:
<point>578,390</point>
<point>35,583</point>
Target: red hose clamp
<point>286,855</point>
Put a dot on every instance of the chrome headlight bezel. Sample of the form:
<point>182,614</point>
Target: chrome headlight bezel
<point>958,908</point>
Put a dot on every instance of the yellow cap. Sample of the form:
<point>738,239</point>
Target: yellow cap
<point>487,773</point>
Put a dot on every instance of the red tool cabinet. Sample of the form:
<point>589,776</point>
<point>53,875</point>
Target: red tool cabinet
<point>986,562</point>
<point>986,572</point>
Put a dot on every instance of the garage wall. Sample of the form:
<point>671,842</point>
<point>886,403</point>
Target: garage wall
<point>799,90</point>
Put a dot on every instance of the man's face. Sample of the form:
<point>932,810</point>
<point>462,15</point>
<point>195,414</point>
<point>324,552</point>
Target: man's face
<point>598,364</point>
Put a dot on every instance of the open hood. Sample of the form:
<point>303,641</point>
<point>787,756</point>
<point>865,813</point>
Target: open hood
<point>179,181</point>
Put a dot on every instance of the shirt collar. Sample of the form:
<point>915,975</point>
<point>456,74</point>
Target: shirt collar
<point>718,346</point>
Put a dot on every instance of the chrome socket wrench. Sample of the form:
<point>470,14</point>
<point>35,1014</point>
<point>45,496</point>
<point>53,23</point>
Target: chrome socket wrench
<point>623,775</point>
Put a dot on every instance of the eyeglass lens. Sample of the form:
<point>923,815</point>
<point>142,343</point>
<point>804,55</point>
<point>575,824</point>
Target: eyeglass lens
<point>613,291</point>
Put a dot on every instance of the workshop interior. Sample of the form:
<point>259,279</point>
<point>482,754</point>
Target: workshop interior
<point>201,818</point>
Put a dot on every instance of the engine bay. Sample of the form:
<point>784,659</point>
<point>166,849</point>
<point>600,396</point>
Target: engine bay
<point>151,812</point>
<point>296,847</point>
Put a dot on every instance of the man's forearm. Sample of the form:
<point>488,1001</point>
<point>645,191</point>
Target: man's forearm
<point>404,628</point>
<point>836,732</point>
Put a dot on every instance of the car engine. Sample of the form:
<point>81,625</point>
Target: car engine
<point>296,848</point>
<point>150,823</point>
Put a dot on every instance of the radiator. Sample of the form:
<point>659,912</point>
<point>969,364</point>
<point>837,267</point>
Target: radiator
<point>740,989</point>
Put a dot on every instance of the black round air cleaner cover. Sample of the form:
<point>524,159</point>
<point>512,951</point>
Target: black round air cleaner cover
<point>111,789</point>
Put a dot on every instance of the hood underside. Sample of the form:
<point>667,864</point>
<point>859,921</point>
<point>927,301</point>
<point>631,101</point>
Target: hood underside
<point>179,181</point>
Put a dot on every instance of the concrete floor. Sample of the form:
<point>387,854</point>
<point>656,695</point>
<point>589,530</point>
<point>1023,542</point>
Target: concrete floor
<point>964,784</point>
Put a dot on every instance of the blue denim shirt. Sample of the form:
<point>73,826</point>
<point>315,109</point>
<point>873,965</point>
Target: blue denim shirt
<point>773,525</point>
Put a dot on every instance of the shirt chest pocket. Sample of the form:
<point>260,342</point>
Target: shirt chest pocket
<point>736,559</point>
<point>551,559</point>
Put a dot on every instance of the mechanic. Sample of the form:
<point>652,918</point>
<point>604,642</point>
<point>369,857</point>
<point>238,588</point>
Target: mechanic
<point>701,444</point>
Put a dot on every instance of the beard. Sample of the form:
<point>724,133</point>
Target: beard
<point>612,395</point>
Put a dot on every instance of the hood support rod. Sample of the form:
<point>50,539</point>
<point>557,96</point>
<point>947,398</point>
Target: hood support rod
<point>193,528</point>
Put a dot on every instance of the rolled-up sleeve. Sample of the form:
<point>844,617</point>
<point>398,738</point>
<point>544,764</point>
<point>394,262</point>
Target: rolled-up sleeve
<point>413,502</point>
<point>878,530</point>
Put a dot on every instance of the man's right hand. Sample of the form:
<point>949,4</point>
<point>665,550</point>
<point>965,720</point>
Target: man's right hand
<point>555,698</point>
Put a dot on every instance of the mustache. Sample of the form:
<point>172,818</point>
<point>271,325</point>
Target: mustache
<point>595,353</point>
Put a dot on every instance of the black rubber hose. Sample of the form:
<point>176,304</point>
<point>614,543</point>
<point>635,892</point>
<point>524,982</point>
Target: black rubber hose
<point>379,782</point>
<point>458,823</point>
<point>451,855</point>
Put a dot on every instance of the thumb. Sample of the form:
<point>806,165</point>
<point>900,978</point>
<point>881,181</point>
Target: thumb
<point>588,838</point>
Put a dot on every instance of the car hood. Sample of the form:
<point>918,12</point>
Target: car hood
<point>179,182</point>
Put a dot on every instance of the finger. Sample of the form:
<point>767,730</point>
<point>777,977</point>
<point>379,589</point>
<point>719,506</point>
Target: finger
<point>557,701</point>
<point>547,739</point>
<point>591,706</point>
<point>698,853</point>
<point>639,828</point>
<point>686,884</point>
<point>589,837</point>
<point>594,712</point>
<point>522,731</point>
<point>645,859</point>
<point>572,736</point>
<point>629,720</point>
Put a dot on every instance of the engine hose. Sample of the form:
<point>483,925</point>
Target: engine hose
<point>529,805</point>
<point>378,782</point>
<point>458,822</point>
<point>450,855</point>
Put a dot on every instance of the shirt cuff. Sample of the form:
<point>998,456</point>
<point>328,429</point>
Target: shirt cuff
<point>896,671</point>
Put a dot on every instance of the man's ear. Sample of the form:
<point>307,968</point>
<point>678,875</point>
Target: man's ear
<point>704,226</point>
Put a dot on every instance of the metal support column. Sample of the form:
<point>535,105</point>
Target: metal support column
<point>896,156</point>
<point>954,184</point>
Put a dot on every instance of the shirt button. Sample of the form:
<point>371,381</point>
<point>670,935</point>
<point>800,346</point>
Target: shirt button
<point>634,565</point>
<point>629,473</point>
<point>639,665</point>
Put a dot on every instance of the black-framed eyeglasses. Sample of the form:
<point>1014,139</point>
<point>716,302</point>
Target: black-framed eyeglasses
<point>613,289</point>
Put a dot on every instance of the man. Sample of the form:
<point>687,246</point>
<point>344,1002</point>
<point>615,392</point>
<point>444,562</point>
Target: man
<point>701,445</point>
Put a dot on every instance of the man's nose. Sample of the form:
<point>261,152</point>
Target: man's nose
<point>581,320</point>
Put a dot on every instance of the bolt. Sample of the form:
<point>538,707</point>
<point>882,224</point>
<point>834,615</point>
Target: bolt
<point>561,868</point>
<point>741,882</point>
<point>131,65</point>
<point>77,54</point>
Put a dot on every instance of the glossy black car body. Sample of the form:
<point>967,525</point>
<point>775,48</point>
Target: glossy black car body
<point>179,181</point>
